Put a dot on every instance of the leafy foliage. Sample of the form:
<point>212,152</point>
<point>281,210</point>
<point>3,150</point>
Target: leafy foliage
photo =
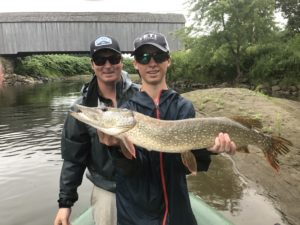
<point>128,65</point>
<point>234,25</point>
<point>291,11</point>
<point>53,65</point>
<point>237,41</point>
<point>276,60</point>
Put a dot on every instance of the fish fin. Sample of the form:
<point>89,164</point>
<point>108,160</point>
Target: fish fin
<point>189,160</point>
<point>125,151</point>
<point>278,147</point>
<point>243,149</point>
<point>127,147</point>
<point>247,121</point>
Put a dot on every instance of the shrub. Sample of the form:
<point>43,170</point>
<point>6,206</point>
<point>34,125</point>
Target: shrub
<point>128,65</point>
<point>53,65</point>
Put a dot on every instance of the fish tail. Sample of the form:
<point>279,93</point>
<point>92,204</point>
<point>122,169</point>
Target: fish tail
<point>277,147</point>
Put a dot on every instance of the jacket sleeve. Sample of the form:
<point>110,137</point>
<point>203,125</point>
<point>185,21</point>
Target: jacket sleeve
<point>75,145</point>
<point>186,110</point>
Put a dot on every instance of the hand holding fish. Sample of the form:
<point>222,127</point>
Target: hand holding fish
<point>108,139</point>
<point>223,144</point>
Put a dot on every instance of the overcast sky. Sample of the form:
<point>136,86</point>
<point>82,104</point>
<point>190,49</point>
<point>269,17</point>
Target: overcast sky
<point>156,6</point>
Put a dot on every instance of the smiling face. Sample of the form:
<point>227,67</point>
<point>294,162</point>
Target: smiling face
<point>154,71</point>
<point>107,66</point>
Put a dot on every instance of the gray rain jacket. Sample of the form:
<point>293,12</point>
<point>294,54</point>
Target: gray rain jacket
<point>81,149</point>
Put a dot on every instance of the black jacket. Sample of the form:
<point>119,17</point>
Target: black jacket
<point>81,149</point>
<point>141,199</point>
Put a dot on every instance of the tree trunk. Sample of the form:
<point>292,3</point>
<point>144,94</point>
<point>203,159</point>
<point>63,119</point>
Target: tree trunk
<point>239,73</point>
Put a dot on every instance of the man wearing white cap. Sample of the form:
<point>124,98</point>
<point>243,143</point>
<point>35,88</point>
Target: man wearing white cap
<point>80,145</point>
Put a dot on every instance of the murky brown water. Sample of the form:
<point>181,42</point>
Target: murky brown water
<point>30,126</point>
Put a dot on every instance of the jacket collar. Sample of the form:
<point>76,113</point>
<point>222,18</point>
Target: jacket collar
<point>143,99</point>
<point>90,90</point>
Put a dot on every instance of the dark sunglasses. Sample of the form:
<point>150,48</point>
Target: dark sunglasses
<point>112,59</point>
<point>144,58</point>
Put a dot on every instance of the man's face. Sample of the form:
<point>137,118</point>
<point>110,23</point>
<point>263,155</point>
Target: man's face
<point>107,65</point>
<point>152,64</point>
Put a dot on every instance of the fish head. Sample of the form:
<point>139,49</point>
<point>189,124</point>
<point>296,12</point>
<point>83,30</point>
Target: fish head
<point>112,121</point>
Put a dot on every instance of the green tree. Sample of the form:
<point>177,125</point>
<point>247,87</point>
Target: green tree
<point>276,60</point>
<point>232,25</point>
<point>291,11</point>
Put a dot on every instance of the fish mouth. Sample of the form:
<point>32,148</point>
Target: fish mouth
<point>111,121</point>
<point>83,109</point>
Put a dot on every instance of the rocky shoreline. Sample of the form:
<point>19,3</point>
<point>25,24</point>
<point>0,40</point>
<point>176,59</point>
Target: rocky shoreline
<point>11,80</point>
<point>21,80</point>
<point>274,89</point>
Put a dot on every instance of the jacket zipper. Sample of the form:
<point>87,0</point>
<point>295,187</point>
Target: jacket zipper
<point>161,162</point>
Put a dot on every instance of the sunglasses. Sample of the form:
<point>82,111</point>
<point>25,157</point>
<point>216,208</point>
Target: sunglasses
<point>144,58</point>
<point>112,59</point>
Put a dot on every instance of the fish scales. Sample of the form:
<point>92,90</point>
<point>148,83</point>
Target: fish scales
<point>182,135</point>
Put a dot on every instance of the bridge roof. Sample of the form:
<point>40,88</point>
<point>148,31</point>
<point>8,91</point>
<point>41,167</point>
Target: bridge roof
<point>72,32</point>
<point>91,17</point>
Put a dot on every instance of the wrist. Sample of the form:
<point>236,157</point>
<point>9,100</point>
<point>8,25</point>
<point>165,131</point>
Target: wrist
<point>65,203</point>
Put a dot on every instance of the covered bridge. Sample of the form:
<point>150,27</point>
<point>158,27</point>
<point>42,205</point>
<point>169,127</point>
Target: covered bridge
<point>72,32</point>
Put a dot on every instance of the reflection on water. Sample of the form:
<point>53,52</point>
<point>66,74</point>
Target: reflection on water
<point>223,188</point>
<point>220,185</point>
<point>31,120</point>
<point>30,128</point>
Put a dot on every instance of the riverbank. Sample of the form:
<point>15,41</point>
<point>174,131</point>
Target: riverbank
<point>9,78</point>
<point>22,80</point>
<point>279,116</point>
<point>274,89</point>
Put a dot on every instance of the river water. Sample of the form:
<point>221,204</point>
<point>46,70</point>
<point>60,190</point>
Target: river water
<point>31,120</point>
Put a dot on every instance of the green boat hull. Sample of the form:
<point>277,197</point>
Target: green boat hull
<point>205,215</point>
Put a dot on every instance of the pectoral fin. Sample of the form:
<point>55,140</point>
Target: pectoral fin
<point>127,147</point>
<point>189,160</point>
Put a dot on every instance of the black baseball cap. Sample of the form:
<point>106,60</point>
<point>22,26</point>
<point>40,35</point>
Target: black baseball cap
<point>104,42</point>
<point>151,38</point>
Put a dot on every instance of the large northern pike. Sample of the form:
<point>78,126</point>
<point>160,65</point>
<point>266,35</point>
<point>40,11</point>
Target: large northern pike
<point>181,136</point>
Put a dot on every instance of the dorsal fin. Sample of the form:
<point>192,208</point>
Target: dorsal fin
<point>247,121</point>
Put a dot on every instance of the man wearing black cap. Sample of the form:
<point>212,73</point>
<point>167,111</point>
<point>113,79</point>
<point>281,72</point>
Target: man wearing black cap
<point>80,145</point>
<point>152,188</point>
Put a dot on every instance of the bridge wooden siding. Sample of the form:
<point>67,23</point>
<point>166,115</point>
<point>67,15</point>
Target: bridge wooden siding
<point>72,32</point>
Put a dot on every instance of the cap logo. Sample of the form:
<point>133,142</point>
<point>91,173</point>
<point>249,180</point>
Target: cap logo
<point>149,37</point>
<point>103,41</point>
